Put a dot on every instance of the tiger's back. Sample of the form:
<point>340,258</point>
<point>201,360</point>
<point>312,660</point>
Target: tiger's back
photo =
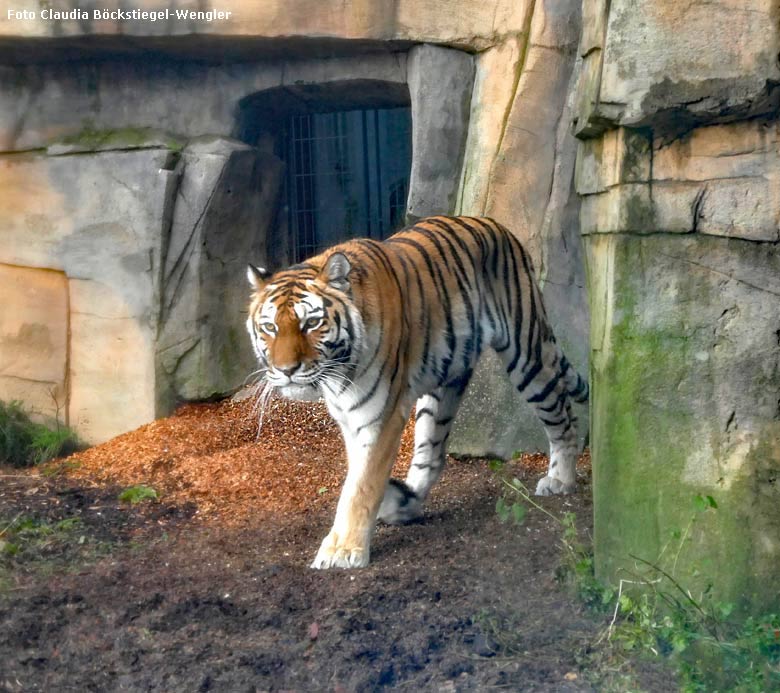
<point>407,319</point>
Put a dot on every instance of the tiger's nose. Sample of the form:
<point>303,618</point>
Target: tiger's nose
<point>289,370</point>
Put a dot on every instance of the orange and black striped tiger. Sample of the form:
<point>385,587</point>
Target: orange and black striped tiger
<point>375,327</point>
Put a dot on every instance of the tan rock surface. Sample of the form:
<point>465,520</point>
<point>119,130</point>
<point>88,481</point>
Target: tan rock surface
<point>34,339</point>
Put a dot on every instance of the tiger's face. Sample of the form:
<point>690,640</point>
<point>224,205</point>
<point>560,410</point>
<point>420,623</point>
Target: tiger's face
<point>303,327</point>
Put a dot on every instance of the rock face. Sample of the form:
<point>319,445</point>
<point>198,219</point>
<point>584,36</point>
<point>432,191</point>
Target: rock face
<point>34,338</point>
<point>440,84</point>
<point>518,169</point>
<point>475,25</point>
<point>99,219</point>
<point>680,209</point>
<point>224,203</point>
<point>108,325</point>
<point>671,65</point>
<point>99,101</point>
<point>685,363</point>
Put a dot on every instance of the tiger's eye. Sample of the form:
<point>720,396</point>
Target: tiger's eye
<point>311,323</point>
<point>268,327</point>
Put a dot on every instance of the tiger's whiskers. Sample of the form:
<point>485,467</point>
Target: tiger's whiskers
<point>262,395</point>
<point>331,375</point>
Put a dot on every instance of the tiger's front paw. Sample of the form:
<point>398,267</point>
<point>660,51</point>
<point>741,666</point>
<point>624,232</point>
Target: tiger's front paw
<point>335,555</point>
<point>549,486</point>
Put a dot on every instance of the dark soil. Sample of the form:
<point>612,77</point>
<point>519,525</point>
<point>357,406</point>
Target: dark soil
<point>160,597</point>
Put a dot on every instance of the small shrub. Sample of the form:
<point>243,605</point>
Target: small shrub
<point>24,443</point>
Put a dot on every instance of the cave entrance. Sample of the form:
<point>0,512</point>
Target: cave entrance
<point>347,150</point>
<point>347,176</point>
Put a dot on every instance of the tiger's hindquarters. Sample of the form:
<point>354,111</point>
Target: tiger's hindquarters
<point>550,384</point>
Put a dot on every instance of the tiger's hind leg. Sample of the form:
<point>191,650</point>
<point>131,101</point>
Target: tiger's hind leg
<point>434,415</point>
<point>547,384</point>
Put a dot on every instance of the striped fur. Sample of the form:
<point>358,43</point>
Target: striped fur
<point>375,327</point>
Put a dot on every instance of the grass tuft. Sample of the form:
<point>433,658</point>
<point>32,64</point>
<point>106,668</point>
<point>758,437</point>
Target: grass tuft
<point>24,443</point>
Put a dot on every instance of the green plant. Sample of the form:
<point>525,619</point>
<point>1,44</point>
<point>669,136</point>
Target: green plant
<point>657,616</point>
<point>710,648</point>
<point>24,443</point>
<point>576,568</point>
<point>137,494</point>
<point>26,535</point>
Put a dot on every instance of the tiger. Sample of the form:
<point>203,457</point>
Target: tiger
<point>377,327</point>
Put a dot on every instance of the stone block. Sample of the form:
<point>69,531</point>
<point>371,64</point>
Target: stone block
<point>440,85</point>
<point>102,219</point>
<point>587,121</point>
<point>34,340</point>
<point>685,366</point>
<point>719,180</point>
<point>695,62</point>
<point>677,206</point>
<point>594,25</point>
<point>495,82</point>
<point>112,388</point>
<point>224,207</point>
<point>620,156</point>
<point>737,150</point>
<point>746,208</point>
<point>625,208</point>
<point>477,25</point>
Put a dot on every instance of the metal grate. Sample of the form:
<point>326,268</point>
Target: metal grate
<point>348,176</point>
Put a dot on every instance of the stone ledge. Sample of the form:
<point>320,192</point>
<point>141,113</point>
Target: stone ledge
<point>677,65</point>
<point>90,140</point>
<point>44,104</point>
<point>474,25</point>
<point>719,180</point>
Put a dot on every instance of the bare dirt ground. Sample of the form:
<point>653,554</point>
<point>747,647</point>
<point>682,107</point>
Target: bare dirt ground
<point>208,588</point>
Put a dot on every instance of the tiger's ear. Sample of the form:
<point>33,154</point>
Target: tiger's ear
<point>257,276</point>
<point>336,271</point>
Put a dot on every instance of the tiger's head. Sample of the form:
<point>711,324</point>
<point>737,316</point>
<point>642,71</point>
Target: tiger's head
<point>304,327</point>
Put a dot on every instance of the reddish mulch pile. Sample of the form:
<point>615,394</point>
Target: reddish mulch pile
<point>212,455</point>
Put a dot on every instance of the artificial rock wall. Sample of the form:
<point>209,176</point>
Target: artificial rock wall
<point>678,172</point>
<point>95,268</point>
<point>488,85</point>
<point>518,169</point>
<point>125,246</point>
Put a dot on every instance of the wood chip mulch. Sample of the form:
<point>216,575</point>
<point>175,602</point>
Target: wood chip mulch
<point>211,454</point>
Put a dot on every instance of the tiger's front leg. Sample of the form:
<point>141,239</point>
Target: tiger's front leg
<point>370,457</point>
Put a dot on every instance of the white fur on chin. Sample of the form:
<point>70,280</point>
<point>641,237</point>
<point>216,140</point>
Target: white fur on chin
<point>305,393</point>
